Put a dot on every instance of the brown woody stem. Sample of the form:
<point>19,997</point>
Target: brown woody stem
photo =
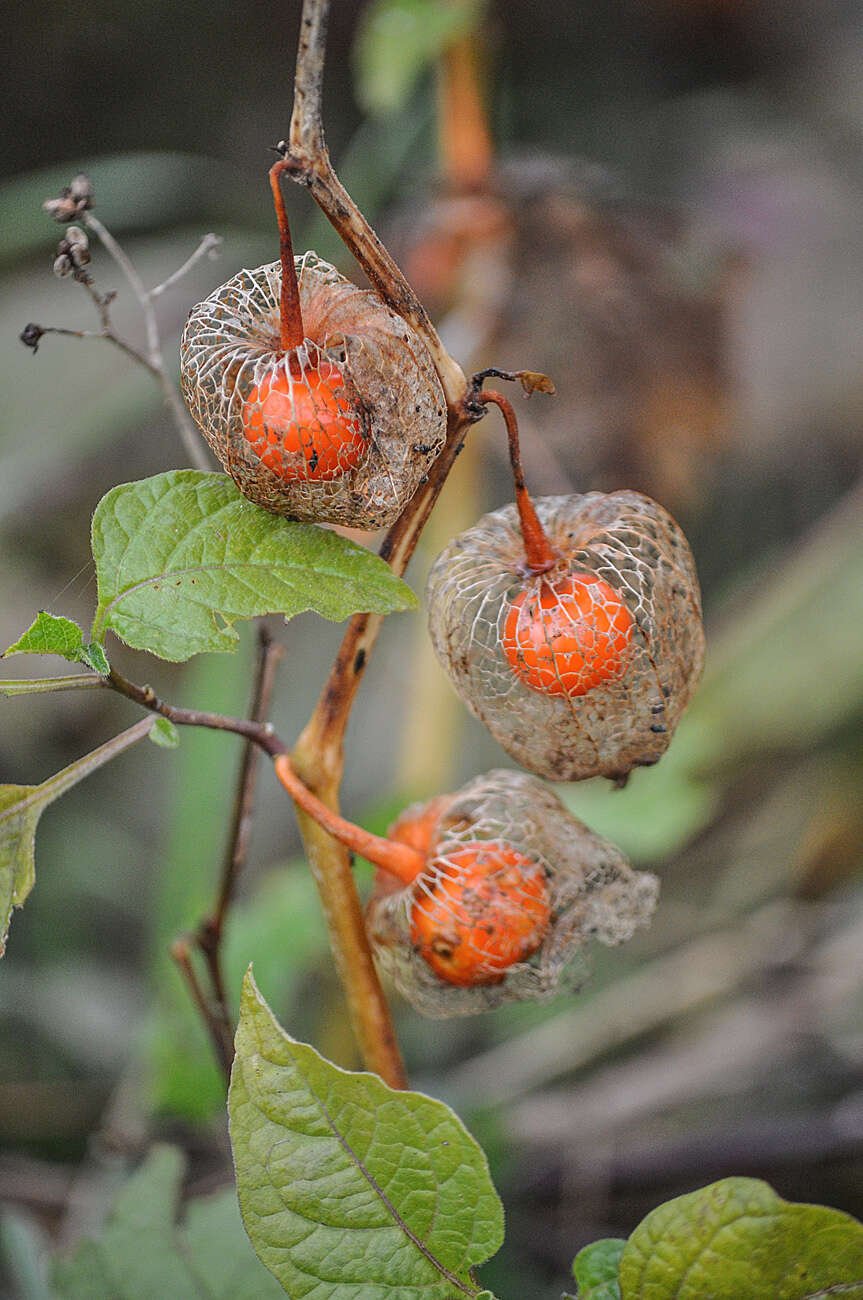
<point>307,161</point>
<point>181,954</point>
<point>399,860</point>
<point>291,327</point>
<point>260,733</point>
<point>539,554</point>
<point>209,934</point>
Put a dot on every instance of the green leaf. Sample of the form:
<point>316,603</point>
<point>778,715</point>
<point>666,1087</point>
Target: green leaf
<point>94,657</point>
<point>181,556</point>
<point>349,1189</point>
<point>398,39</point>
<point>142,1252</point>
<point>164,733</point>
<point>596,1269</point>
<point>737,1240</point>
<point>50,634</point>
<point>21,806</point>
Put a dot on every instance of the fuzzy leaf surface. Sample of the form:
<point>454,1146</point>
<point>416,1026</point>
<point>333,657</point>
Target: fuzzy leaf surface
<point>181,556</point>
<point>50,634</point>
<point>596,1269</point>
<point>348,1189</point>
<point>141,1251</point>
<point>738,1240</point>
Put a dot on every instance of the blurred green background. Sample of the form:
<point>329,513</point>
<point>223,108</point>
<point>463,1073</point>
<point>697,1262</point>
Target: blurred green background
<point>670,225</point>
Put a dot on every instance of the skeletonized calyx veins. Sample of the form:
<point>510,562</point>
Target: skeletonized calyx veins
<point>341,428</point>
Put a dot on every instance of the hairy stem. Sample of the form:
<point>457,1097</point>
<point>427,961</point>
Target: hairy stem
<point>41,685</point>
<point>318,758</point>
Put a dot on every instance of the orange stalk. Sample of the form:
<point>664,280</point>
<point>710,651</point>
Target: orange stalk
<point>291,329</point>
<point>399,860</point>
<point>538,550</point>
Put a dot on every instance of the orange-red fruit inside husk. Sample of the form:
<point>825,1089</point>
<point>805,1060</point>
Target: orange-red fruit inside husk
<point>303,425</point>
<point>486,908</point>
<point>568,636</point>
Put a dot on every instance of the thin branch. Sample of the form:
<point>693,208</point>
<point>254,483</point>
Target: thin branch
<point>260,733</point>
<point>189,435</point>
<point>209,934</point>
<point>108,335</point>
<point>134,280</point>
<point>307,160</point>
<point>206,248</point>
<point>182,956</point>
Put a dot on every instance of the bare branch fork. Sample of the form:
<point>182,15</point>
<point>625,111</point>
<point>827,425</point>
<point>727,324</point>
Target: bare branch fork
<point>188,433</point>
<point>76,203</point>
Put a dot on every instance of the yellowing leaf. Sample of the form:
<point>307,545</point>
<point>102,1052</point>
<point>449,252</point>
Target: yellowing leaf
<point>737,1240</point>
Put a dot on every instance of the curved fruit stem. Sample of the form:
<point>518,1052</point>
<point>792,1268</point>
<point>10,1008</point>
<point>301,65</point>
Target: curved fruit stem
<point>399,860</point>
<point>291,330</point>
<point>539,554</point>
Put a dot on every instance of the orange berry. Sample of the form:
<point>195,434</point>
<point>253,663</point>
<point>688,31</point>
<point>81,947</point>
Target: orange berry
<point>417,824</point>
<point>569,636</point>
<point>303,425</point>
<point>482,907</point>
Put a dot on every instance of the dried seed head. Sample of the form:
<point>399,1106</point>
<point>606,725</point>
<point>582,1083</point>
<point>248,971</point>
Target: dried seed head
<point>74,200</point>
<point>73,252</point>
<point>583,670</point>
<point>513,888</point>
<point>327,430</point>
<point>76,244</point>
<point>30,336</point>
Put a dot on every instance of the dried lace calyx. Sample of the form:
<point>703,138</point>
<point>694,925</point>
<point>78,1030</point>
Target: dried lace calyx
<point>573,886</point>
<point>584,670</point>
<point>341,429</point>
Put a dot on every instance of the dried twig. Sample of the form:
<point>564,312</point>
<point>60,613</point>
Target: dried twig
<point>308,161</point>
<point>260,733</point>
<point>209,934</point>
<point>206,248</point>
<point>181,953</point>
<point>189,435</point>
